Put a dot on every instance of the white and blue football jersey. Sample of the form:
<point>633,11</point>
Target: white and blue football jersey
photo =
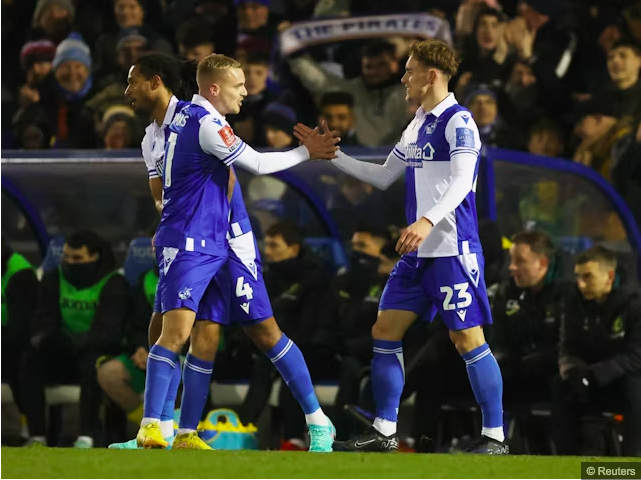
<point>428,146</point>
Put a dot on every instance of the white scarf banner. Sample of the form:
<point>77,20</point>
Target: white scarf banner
<point>419,25</point>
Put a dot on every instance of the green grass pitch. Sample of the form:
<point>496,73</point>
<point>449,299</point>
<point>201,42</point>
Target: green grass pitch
<point>69,463</point>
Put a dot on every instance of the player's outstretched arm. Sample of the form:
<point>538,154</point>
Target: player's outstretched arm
<point>223,144</point>
<point>381,176</point>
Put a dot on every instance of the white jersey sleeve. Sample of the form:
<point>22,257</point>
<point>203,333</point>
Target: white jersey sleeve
<point>147,156</point>
<point>462,135</point>
<point>218,139</point>
<point>221,142</point>
<point>399,148</point>
<point>381,176</point>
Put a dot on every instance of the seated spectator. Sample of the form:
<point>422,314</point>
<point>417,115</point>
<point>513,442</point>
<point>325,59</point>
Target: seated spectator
<point>485,59</point>
<point>545,40</point>
<point>356,199</point>
<point>255,23</point>
<point>296,283</point>
<point>624,91</point>
<point>354,297</point>
<point>279,121</point>
<point>626,170</point>
<point>248,123</point>
<point>522,92</point>
<point>482,102</point>
<point>122,131</point>
<point>379,98</point>
<point>53,19</point>
<point>600,354</point>
<point>30,131</point>
<point>526,312</point>
<point>129,14</point>
<point>195,40</point>
<point>35,58</point>
<point>123,377</point>
<point>598,129</point>
<point>337,109</point>
<point>19,286</point>
<point>62,97</point>
<point>132,43</point>
<point>80,313</point>
<point>547,139</point>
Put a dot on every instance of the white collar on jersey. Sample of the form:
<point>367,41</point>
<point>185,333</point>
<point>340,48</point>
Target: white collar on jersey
<point>446,103</point>
<point>169,114</point>
<point>206,104</point>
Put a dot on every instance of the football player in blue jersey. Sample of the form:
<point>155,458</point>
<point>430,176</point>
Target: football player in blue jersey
<point>199,251</point>
<point>441,268</point>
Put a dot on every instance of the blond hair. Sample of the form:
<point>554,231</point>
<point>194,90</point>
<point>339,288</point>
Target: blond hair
<point>214,64</point>
<point>436,54</point>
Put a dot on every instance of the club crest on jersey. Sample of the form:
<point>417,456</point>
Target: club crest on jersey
<point>415,155</point>
<point>185,293</point>
<point>430,127</point>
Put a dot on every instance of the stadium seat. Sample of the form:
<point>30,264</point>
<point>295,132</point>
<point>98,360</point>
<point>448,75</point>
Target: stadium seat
<point>233,394</point>
<point>330,250</point>
<point>140,258</point>
<point>54,253</point>
<point>62,394</point>
<point>573,245</point>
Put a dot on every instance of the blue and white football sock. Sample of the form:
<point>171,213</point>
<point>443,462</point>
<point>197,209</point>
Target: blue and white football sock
<point>487,384</point>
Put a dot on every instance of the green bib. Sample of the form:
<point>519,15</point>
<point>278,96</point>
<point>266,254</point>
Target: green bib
<point>16,264</point>
<point>149,283</point>
<point>78,307</point>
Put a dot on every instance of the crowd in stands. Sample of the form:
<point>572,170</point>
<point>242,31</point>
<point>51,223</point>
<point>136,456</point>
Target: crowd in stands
<point>558,78</point>
<point>567,335</point>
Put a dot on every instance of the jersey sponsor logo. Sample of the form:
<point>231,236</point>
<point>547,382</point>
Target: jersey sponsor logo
<point>415,155</point>
<point>465,137</point>
<point>185,293</point>
<point>180,120</point>
<point>227,136</point>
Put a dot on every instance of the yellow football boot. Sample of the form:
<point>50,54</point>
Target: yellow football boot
<point>150,436</point>
<point>190,441</point>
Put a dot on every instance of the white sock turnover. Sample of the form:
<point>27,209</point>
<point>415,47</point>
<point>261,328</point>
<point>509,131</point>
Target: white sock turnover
<point>384,427</point>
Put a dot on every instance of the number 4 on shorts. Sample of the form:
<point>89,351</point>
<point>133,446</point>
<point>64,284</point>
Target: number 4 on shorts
<point>244,289</point>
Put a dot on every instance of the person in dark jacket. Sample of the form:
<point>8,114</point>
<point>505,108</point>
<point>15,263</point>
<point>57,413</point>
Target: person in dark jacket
<point>122,378</point>
<point>354,297</point>
<point>19,286</point>
<point>297,283</point>
<point>600,353</point>
<point>526,318</point>
<point>80,315</point>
